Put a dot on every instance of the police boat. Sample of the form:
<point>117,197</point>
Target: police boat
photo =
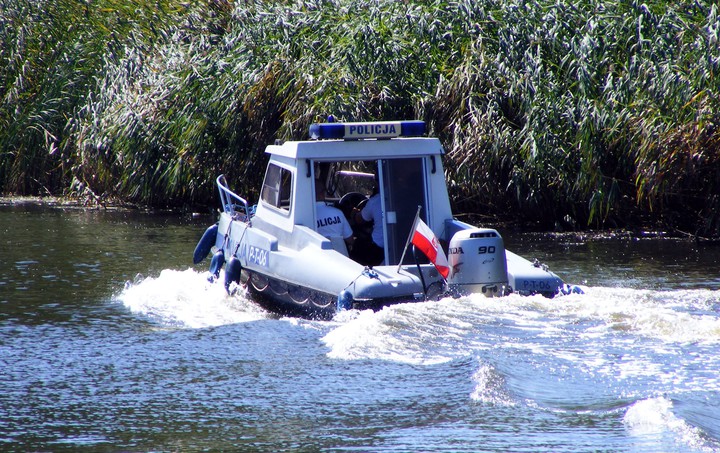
<point>278,249</point>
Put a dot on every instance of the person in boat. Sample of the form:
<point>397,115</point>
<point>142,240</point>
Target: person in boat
<point>370,251</point>
<point>331,221</point>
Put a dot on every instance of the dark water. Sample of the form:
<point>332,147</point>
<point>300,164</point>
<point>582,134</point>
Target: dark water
<point>169,362</point>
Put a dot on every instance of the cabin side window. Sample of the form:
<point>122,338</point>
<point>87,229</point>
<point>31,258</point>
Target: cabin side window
<point>277,187</point>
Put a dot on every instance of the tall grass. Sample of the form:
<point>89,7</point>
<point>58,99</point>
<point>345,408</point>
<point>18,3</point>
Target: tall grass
<point>50,54</point>
<point>589,112</point>
<point>570,106</point>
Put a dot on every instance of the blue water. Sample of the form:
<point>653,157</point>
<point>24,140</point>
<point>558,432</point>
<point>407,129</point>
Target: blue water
<point>94,357</point>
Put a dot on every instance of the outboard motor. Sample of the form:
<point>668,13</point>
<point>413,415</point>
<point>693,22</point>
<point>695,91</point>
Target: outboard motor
<point>477,262</point>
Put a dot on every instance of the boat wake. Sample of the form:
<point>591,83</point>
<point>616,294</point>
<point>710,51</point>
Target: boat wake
<point>606,353</point>
<point>435,332</point>
<point>186,299</point>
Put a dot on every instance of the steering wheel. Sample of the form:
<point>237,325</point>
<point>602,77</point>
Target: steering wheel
<point>349,201</point>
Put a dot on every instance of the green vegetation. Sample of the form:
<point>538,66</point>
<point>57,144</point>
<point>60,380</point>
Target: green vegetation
<point>590,112</point>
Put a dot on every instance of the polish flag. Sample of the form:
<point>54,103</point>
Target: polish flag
<point>424,239</point>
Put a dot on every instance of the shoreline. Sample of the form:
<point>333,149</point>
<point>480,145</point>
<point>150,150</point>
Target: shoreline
<point>582,235</point>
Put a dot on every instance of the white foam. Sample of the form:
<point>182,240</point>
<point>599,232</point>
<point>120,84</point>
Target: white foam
<point>417,333</point>
<point>650,416</point>
<point>188,299</point>
<point>654,314</point>
<point>574,329</point>
<point>653,420</point>
<point>647,322</point>
<point>490,387</point>
<point>423,332</point>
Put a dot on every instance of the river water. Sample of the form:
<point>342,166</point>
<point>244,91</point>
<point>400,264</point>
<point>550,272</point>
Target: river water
<point>111,341</point>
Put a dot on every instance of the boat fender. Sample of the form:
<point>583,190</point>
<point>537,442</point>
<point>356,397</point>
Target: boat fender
<point>571,289</point>
<point>205,244</point>
<point>217,262</point>
<point>232,272</point>
<point>344,300</point>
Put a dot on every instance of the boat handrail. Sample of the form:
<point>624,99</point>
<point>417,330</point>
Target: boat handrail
<point>231,201</point>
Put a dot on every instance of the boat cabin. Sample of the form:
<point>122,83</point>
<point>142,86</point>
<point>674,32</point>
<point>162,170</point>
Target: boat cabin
<point>351,160</point>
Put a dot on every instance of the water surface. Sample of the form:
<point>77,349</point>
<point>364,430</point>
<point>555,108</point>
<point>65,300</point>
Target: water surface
<point>95,357</point>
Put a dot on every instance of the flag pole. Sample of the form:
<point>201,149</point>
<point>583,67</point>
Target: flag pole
<point>409,238</point>
<point>422,279</point>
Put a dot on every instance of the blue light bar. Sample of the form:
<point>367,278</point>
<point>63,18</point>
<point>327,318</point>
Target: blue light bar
<point>357,131</point>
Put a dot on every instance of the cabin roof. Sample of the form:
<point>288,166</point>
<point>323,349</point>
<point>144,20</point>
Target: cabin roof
<point>369,149</point>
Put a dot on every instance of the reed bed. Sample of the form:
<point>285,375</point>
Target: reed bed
<point>567,114</point>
